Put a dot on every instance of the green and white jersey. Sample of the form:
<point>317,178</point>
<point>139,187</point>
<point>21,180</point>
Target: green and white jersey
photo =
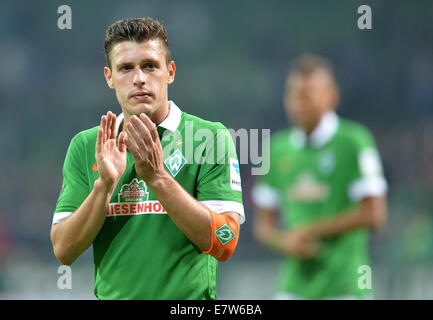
<point>140,253</point>
<point>318,178</point>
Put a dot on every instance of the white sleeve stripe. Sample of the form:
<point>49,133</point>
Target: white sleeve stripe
<point>367,187</point>
<point>220,206</point>
<point>59,216</point>
<point>265,196</point>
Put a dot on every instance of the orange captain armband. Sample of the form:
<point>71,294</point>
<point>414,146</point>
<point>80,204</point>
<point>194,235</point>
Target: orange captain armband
<point>225,235</point>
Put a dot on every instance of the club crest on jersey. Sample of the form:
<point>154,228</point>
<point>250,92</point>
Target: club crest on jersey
<point>327,162</point>
<point>135,191</point>
<point>175,162</point>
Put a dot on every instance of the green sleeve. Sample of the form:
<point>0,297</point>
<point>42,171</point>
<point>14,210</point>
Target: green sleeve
<point>75,186</point>
<point>219,176</point>
<point>269,179</point>
<point>368,178</point>
<point>265,192</point>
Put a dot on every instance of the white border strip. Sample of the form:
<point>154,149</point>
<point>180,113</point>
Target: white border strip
<point>220,206</point>
<point>264,196</point>
<point>59,216</point>
<point>367,187</point>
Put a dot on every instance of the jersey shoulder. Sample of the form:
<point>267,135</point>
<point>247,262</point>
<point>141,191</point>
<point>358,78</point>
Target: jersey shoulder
<point>354,133</point>
<point>282,140</point>
<point>85,138</point>
<point>200,123</point>
<point>281,136</point>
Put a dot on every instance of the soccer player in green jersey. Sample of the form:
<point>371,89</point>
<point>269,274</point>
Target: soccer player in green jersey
<point>160,206</point>
<point>327,182</point>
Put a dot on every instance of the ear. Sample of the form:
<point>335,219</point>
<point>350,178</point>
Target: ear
<point>108,78</point>
<point>334,96</point>
<point>171,72</point>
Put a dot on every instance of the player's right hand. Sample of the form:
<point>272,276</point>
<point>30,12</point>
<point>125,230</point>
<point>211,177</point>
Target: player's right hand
<point>110,159</point>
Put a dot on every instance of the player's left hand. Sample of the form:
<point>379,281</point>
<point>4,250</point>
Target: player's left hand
<point>144,144</point>
<point>300,243</point>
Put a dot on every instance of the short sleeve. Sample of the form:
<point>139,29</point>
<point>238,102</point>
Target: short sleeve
<point>75,185</point>
<point>219,179</point>
<point>368,179</point>
<point>264,193</point>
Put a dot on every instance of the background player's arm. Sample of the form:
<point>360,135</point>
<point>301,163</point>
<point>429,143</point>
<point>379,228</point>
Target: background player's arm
<point>73,235</point>
<point>191,217</point>
<point>302,242</point>
<point>371,213</point>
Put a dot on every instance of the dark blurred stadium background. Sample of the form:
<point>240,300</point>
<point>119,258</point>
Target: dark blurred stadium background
<point>231,59</point>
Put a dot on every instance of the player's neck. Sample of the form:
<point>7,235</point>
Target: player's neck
<point>160,115</point>
<point>310,127</point>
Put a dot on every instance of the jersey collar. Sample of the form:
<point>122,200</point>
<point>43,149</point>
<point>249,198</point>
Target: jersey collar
<point>171,122</point>
<point>321,135</point>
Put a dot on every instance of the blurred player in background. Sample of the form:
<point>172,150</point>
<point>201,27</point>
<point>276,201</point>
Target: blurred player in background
<point>326,179</point>
<point>157,224</point>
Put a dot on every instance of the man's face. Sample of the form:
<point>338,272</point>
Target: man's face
<point>309,97</point>
<point>140,75</point>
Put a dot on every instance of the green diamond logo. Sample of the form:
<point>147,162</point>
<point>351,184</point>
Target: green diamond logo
<point>224,234</point>
<point>175,162</point>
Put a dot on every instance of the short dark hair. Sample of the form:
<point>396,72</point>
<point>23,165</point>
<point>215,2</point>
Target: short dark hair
<point>308,63</point>
<point>135,29</point>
